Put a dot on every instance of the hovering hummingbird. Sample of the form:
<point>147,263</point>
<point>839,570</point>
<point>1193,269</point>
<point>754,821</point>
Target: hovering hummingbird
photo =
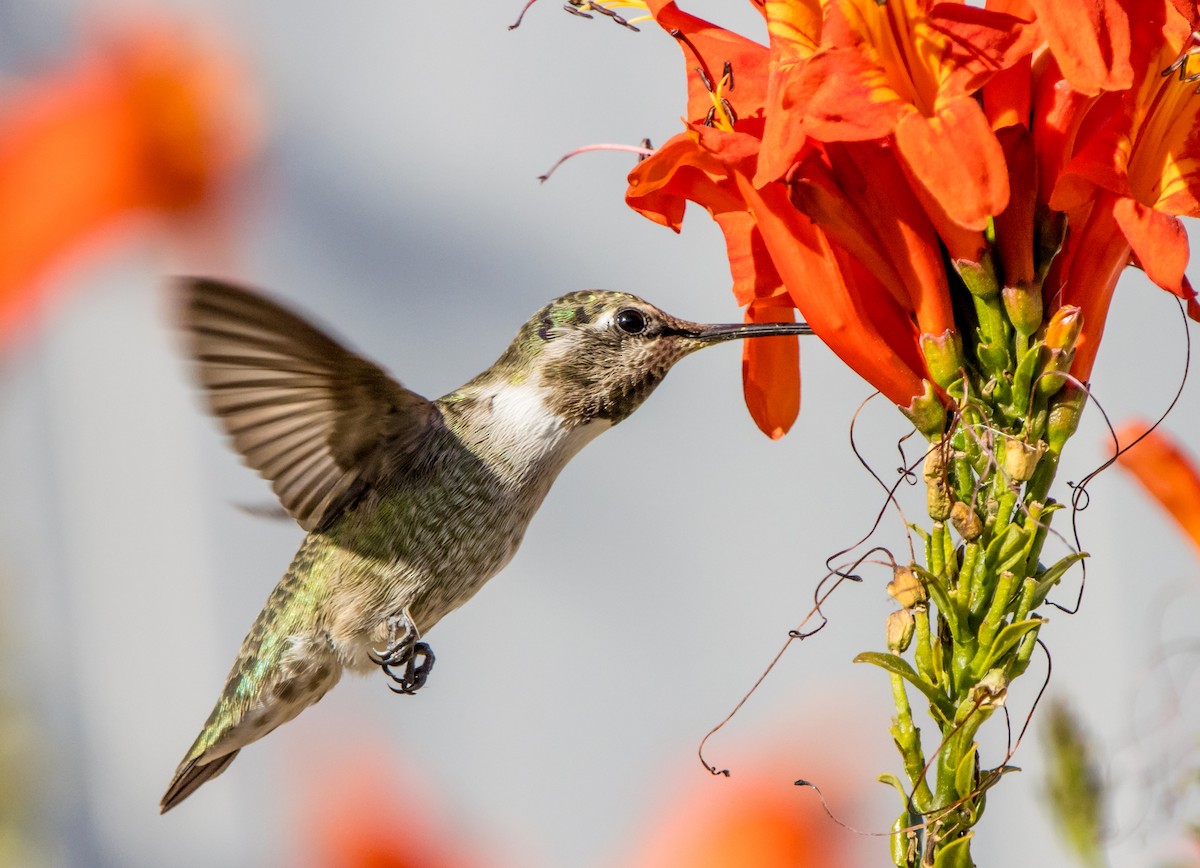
<point>410,505</point>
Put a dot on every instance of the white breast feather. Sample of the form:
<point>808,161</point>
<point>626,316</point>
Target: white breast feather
<point>525,433</point>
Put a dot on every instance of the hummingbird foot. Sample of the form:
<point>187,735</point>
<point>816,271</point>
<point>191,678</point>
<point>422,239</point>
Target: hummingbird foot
<point>406,661</point>
<point>416,671</point>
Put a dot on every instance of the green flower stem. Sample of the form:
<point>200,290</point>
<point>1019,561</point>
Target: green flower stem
<point>1007,508</point>
<point>923,652</point>
<point>937,549</point>
<point>995,618</point>
<point>908,741</point>
<point>1039,520</point>
<point>968,576</point>
<point>984,581</point>
<point>1024,654</point>
<point>994,333</point>
<point>982,588</point>
<point>988,480</point>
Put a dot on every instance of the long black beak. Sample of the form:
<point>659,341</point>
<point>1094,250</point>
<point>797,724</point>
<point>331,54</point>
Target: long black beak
<point>732,331</point>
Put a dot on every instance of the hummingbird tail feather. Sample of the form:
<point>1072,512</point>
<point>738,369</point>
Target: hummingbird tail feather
<point>190,776</point>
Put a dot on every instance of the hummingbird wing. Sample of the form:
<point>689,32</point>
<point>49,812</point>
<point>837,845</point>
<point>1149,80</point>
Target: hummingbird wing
<point>319,422</point>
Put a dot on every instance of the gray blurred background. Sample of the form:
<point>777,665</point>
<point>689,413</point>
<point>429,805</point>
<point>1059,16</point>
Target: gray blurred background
<point>396,200</point>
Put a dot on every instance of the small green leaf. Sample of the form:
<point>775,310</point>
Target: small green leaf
<point>1023,380</point>
<point>964,774</point>
<point>940,596</point>
<point>1051,577</point>
<point>894,782</point>
<point>1007,639</point>
<point>1006,548</point>
<point>899,666</point>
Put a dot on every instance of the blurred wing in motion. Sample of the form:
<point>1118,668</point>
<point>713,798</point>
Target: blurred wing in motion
<point>316,420</point>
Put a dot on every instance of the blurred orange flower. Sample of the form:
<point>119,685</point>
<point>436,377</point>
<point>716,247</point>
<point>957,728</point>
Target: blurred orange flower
<point>148,121</point>
<point>1166,472</point>
<point>355,815</point>
<point>750,820</point>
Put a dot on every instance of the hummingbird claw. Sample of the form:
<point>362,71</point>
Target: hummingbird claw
<point>416,670</point>
<point>405,651</point>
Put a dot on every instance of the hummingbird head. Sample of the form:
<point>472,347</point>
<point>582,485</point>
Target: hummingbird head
<point>600,354</point>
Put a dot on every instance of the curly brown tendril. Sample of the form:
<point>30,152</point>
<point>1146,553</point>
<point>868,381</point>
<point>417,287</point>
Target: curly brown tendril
<point>1080,497</point>
<point>799,633</point>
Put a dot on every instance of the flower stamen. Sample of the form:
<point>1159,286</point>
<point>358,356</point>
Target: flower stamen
<point>1181,62</point>
<point>644,150</point>
<point>608,8</point>
<point>721,115</point>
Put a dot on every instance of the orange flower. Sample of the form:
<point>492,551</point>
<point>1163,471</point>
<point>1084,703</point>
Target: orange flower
<point>777,255</point>
<point>150,122</point>
<point>909,68</point>
<point>1091,41</point>
<point>354,813</point>
<point>1134,171</point>
<point>1166,472</point>
<point>751,820</point>
<point>870,143</point>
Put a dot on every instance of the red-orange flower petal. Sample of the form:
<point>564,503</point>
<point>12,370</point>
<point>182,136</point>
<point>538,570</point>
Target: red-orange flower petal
<point>1166,472</point>
<point>1159,241</point>
<point>771,370</point>
<point>1015,224</point>
<point>957,159</point>
<point>1085,274</point>
<point>875,179</point>
<point>1143,150</point>
<point>911,70</point>
<point>794,28</point>
<point>1091,41</point>
<point>846,306</point>
<point>701,165</point>
<point>752,823</point>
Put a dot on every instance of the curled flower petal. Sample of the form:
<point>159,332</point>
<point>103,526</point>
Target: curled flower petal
<point>1158,240</point>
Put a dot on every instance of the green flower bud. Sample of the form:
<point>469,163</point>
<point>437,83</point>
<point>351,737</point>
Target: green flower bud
<point>927,413</point>
<point>1023,304</point>
<point>1065,409</point>
<point>980,277</point>
<point>943,357</point>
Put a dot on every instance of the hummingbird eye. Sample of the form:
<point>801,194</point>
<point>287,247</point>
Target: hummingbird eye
<point>631,321</point>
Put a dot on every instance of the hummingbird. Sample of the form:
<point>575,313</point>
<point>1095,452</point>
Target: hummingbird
<point>410,505</point>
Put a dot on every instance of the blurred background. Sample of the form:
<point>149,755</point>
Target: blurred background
<point>376,164</point>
